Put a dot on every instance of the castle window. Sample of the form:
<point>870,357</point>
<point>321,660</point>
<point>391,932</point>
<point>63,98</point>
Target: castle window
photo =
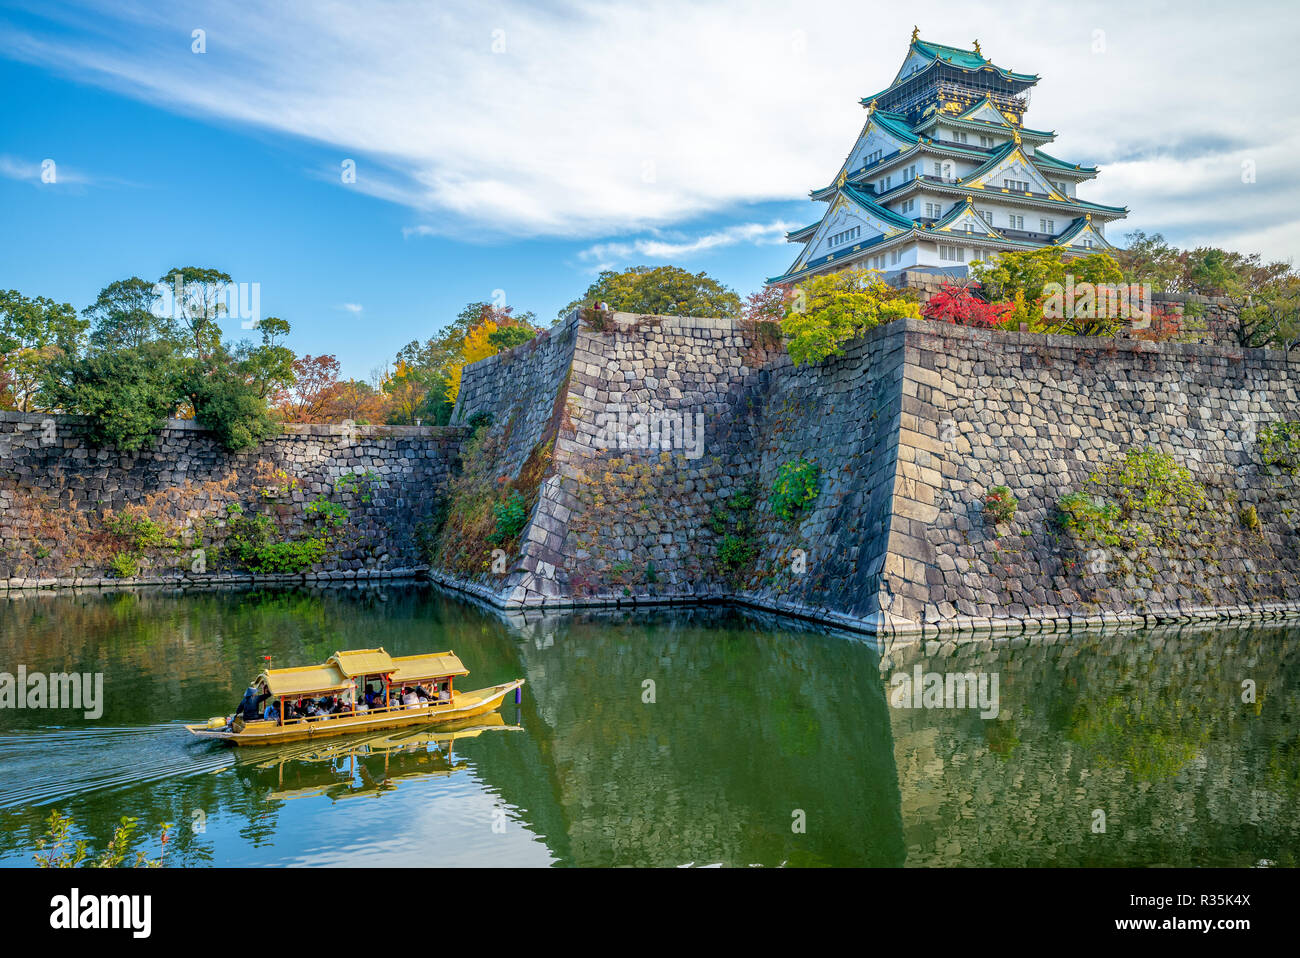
<point>986,141</point>
<point>1015,222</point>
<point>844,236</point>
<point>952,254</point>
<point>1047,226</point>
<point>1018,185</point>
<point>958,136</point>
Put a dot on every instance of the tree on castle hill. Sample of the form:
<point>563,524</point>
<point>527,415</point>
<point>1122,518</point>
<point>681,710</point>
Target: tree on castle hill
<point>1021,278</point>
<point>314,378</point>
<point>1263,298</point>
<point>1149,259</point>
<point>831,309</point>
<point>659,291</point>
<point>493,330</point>
<point>34,333</point>
<point>958,305</point>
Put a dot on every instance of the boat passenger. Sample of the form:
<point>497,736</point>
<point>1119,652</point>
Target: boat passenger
<point>250,704</point>
<point>444,694</point>
<point>422,690</point>
<point>270,713</point>
<point>410,699</point>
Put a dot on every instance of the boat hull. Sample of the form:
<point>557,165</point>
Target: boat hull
<point>464,705</point>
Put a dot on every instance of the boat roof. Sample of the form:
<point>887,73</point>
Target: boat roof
<point>435,665</point>
<point>362,662</point>
<point>304,680</point>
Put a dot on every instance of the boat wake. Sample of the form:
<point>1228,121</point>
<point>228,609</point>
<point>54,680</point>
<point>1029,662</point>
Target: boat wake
<point>56,764</point>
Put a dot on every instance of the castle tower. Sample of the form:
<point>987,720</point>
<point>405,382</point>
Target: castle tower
<point>945,173</point>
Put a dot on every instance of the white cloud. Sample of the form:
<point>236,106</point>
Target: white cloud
<point>620,117</point>
<point>610,255</point>
<point>46,172</point>
<point>351,307</point>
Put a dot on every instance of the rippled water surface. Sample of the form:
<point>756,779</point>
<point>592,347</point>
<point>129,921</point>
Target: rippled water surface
<point>657,739</point>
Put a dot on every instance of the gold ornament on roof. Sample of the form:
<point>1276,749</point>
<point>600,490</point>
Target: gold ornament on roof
<point>916,32</point>
<point>1015,135</point>
<point>977,49</point>
<point>843,177</point>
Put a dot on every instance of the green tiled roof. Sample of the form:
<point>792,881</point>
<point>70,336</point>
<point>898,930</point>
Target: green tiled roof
<point>1061,164</point>
<point>865,200</point>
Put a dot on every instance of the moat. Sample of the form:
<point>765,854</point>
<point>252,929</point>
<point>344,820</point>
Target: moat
<point>706,736</point>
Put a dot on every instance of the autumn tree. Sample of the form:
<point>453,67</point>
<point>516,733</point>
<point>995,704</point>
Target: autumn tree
<point>832,309</point>
<point>314,378</point>
<point>660,291</point>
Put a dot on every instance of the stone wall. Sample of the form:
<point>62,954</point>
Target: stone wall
<point>55,488</point>
<point>909,428</point>
<point>1040,414</point>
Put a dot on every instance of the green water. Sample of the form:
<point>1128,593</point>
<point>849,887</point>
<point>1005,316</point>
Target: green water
<point>765,743</point>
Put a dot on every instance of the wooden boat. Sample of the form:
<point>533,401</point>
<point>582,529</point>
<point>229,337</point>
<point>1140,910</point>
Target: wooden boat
<point>347,675</point>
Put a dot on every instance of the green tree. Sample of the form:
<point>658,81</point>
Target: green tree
<point>829,310</point>
<point>126,394</point>
<point>268,366</point>
<point>231,407</point>
<point>660,291</point>
<point>1149,259</point>
<point>1028,278</point>
<point>34,333</point>
<point>126,314</point>
<point>200,298</point>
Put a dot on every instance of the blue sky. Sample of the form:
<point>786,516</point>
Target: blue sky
<point>516,147</point>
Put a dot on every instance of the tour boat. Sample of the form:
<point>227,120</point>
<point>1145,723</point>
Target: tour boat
<point>348,675</point>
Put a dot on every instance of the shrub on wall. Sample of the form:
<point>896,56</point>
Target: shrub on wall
<point>511,517</point>
<point>1000,505</point>
<point>795,488</point>
<point>829,310</point>
<point>1279,446</point>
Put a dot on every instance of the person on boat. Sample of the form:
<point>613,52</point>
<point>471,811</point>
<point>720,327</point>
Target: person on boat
<point>251,703</point>
<point>270,711</point>
<point>422,690</point>
<point>444,694</point>
<point>409,698</point>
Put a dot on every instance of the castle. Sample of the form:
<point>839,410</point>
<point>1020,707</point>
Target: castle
<point>945,173</point>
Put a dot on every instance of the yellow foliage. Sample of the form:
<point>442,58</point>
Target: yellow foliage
<point>476,347</point>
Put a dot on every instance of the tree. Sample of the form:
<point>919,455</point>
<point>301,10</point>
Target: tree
<point>354,400</point>
<point>230,407</point>
<point>34,333</point>
<point>126,315</point>
<point>767,305</point>
<point>831,309</point>
<point>314,379</point>
<point>477,345</point>
<point>958,305</point>
<point>199,298</point>
<point>1033,281</point>
<point>1149,259</point>
<point>508,337</point>
<point>268,367</point>
<point>661,291</point>
<point>126,394</point>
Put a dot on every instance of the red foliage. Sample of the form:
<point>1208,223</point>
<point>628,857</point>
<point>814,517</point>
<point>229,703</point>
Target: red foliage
<point>958,305</point>
<point>316,378</point>
<point>1166,324</point>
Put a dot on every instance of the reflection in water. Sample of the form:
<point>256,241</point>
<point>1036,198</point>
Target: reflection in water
<point>656,739</point>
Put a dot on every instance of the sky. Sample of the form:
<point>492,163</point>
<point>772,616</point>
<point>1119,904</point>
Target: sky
<point>373,167</point>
